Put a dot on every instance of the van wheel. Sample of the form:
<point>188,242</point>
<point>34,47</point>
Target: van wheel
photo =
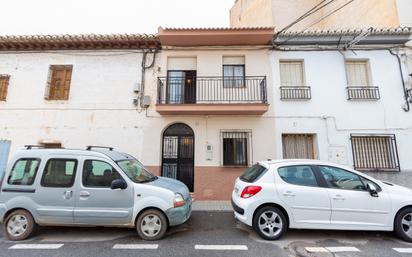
<point>19,225</point>
<point>270,223</point>
<point>403,224</point>
<point>151,225</point>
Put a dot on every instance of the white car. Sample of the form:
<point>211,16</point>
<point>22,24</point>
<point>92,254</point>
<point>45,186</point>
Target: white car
<point>273,196</point>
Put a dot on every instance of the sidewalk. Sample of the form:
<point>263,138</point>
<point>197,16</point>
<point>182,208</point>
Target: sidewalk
<point>218,206</point>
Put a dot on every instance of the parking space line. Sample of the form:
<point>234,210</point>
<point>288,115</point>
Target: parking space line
<point>36,246</point>
<point>403,250</point>
<point>136,246</point>
<point>222,247</point>
<point>337,249</point>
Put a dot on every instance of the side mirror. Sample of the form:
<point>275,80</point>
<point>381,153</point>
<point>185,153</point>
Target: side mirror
<point>372,190</point>
<point>118,184</point>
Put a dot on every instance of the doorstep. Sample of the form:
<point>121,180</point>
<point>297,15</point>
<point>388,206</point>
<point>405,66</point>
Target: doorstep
<point>214,206</point>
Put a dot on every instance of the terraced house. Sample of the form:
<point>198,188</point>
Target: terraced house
<point>202,104</point>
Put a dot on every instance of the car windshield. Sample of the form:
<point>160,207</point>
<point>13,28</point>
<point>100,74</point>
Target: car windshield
<point>136,171</point>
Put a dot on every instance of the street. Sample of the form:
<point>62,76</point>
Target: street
<point>206,234</point>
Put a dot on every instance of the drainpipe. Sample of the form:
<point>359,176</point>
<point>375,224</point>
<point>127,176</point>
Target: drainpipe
<point>407,107</point>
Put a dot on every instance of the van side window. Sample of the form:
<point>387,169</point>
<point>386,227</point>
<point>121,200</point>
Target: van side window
<point>59,173</point>
<point>98,174</point>
<point>24,172</point>
<point>298,175</point>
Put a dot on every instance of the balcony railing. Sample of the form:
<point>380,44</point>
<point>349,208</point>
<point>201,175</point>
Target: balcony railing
<point>212,90</point>
<point>295,93</point>
<point>363,93</point>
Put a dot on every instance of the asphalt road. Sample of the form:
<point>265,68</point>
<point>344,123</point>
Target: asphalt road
<point>196,238</point>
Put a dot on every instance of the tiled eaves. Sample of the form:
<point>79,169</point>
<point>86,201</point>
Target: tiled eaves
<point>349,32</point>
<point>83,42</point>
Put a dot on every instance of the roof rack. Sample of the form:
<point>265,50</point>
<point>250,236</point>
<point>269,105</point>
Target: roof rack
<point>28,147</point>
<point>90,147</point>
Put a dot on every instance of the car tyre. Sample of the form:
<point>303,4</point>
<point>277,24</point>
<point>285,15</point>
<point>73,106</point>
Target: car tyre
<point>19,225</point>
<point>403,224</point>
<point>151,225</point>
<point>270,223</point>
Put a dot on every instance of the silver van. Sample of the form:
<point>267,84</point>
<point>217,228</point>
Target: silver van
<point>93,187</point>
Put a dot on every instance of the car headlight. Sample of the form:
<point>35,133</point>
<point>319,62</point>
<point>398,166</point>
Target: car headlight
<point>178,200</point>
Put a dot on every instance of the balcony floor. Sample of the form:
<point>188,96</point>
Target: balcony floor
<point>212,109</point>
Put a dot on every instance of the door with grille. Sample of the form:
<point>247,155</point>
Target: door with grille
<point>178,154</point>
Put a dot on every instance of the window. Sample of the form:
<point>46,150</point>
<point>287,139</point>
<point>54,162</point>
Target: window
<point>291,74</point>
<point>234,71</point>
<point>24,172</point>
<point>59,82</point>
<point>51,145</point>
<point>235,148</point>
<point>59,173</point>
<point>4,84</point>
<point>375,152</point>
<point>298,175</point>
<point>136,171</point>
<point>357,72</point>
<point>98,174</point>
<point>298,146</point>
<point>341,179</point>
<point>253,173</point>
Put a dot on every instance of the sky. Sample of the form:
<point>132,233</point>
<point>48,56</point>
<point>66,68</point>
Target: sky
<point>22,17</point>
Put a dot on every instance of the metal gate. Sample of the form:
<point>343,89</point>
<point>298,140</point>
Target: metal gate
<point>178,154</point>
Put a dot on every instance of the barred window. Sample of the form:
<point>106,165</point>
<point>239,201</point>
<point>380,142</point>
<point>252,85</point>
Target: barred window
<point>59,82</point>
<point>375,152</point>
<point>4,84</point>
<point>236,148</point>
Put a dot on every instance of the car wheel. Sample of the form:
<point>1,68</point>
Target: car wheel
<point>403,224</point>
<point>151,225</point>
<point>19,225</point>
<point>270,223</point>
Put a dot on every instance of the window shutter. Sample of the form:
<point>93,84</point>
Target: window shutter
<point>291,73</point>
<point>357,73</point>
<point>58,84</point>
<point>4,84</point>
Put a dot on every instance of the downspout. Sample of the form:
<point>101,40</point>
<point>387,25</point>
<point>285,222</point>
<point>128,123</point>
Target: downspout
<point>407,108</point>
<point>144,68</point>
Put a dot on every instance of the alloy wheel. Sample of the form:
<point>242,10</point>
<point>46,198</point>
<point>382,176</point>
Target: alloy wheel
<point>270,223</point>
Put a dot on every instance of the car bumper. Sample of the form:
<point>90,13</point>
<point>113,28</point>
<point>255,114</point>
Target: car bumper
<point>181,214</point>
<point>243,212</point>
<point>3,210</point>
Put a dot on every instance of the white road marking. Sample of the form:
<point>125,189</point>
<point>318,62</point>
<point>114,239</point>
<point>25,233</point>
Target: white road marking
<point>332,249</point>
<point>136,246</point>
<point>36,246</point>
<point>222,247</point>
<point>403,250</point>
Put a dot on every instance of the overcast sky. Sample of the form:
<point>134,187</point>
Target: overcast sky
<point>109,16</point>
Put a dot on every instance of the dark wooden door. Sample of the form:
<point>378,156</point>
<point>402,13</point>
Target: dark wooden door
<point>190,87</point>
<point>178,154</point>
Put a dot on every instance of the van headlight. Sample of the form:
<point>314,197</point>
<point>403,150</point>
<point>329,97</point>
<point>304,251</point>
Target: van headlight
<point>178,200</point>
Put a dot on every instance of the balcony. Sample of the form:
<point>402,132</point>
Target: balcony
<point>295,93</point>
<point>363,93</point>
<point>212,96</point>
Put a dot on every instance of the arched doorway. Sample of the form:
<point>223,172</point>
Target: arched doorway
<point>178,154</point>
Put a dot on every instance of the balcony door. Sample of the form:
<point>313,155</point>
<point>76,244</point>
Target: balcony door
<point>181,87</point>
<point>178,154</point>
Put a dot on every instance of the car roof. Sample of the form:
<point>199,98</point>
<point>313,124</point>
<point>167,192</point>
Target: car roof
<point>103,153</point>
<point>281,162</point>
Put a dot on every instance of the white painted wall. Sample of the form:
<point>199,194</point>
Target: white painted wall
<point>331,116</point>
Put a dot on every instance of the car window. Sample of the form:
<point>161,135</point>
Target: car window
<point>24,172</point>
<point>98,174</point>
<point>252,173</point>
<point>59,173</point>
<point>341,179</point>
<point>298,175</point>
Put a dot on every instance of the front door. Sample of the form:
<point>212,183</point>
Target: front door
<point>352,205</point>
<point>98,204</point>
<point>178,154</point>
<point>308,202</point>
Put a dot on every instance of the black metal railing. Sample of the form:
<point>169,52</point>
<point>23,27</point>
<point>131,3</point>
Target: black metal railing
<point>212,90</point>
<point>363,93</point>
<point>375,152</point>
<point>295,93</point>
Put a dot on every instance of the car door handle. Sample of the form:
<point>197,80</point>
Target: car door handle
<point>289,194</point>
<point>84,194</point>
<point>338,198</point>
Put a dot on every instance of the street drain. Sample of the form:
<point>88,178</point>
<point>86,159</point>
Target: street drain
<point>298,249</point>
